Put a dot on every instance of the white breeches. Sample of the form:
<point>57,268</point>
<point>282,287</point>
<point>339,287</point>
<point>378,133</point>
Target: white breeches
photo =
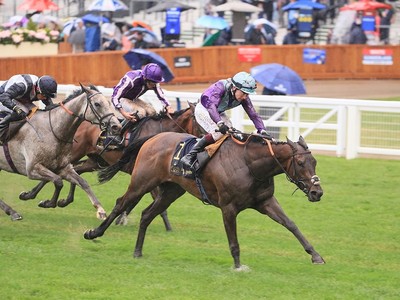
<point>204,120</point>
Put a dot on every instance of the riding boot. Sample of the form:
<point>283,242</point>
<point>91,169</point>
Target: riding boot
<point>7,119</point>
<point>189,159</point>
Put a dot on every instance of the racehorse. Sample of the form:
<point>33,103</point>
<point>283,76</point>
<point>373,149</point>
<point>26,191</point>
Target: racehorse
<point>239,175</point>
<point>41,149</point>
<point>85,145</point>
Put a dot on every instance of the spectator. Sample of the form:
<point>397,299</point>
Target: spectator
<point>224,37</point>
<point>111,36</point>
<point>386,20</point>
<point>357,34</point>
<point>267,7</point>
<point>139,42</point>
<point>77,37</point>
<point>257,35</point>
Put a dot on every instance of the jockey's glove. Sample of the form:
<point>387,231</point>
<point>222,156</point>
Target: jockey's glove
<point>265,134</point>
<point>222,127</point>
<point>19,112</point>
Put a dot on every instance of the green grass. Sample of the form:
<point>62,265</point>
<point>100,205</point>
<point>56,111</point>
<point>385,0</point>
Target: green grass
<point>355,228</point>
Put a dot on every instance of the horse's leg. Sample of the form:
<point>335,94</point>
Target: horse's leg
<point>32,193</point>
<point>70,175</point>
<point>9,211</point>
<point>40,172</point>
<point>229,214</point>
<point>80,167</point>
<point>122,219</point>
<point>120,206</point>
<point>168,193</point>
<point>272,208</point>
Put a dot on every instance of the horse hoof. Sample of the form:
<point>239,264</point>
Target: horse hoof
<point>88,235</point>
<point>137,254</point>
<point>318,261</point>
<point>101,216</point>
<point>24,196</point>
<point>16,217</point>
<point>63,203</point>
<point>47,204</point>
<point>242,268</point>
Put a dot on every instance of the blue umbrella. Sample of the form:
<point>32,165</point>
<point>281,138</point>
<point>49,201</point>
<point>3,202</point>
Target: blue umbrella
<point>212,22</point>
<point>136,58</point>
<point>107,5</point>
<point>96,19</point>
<point>304,4</point>
<point>279,78</point>
<point>149,36</point>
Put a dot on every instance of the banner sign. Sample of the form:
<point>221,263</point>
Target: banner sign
<point>377,56</point>
<point>173,21</point>
<point>249,54</point>
<point>314,56</point>
<point>183,62</point>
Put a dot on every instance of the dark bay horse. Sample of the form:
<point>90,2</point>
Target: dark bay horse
<point>41,149</point>
<point>85,145</point>
<point>239,176</point>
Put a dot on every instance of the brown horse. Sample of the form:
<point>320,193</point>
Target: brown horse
<point>86,139</point>
<point>240,175</point>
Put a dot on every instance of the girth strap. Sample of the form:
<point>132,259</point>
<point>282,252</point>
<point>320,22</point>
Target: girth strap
<point>8,158</point>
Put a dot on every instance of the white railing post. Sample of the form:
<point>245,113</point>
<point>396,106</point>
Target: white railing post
<point>353,132</point>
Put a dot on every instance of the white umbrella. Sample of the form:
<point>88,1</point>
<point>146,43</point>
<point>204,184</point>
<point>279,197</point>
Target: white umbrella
<point>237,6</point>
<point>265,22</point>
<point>107,5</point>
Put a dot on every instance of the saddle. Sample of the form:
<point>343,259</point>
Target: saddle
<point>202,158</point>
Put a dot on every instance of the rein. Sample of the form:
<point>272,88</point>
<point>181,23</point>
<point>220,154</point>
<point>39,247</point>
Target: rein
<point>299,183</point>
<point>99,118</point>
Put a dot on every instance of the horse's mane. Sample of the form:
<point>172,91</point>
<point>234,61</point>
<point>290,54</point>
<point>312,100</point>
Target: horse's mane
<point>163,115</point>
<point>75,93</point>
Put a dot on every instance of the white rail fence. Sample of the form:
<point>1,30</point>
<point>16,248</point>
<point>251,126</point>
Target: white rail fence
<point>347,128</point>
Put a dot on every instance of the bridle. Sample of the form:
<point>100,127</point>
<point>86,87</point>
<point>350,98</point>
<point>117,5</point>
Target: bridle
<point>300,183</point>
<point>89,104</point>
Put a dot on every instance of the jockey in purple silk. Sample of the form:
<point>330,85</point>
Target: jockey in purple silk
<point>210,111</point>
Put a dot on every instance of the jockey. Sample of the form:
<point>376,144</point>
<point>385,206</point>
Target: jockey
<point>210,111</point>
<point>18,93</point>
<point>134,84</point>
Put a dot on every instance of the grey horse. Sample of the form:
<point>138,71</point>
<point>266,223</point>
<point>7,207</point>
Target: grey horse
<point>41,149</point>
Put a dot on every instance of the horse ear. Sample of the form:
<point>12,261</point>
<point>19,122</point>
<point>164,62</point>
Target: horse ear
<point>303,143</point>
<point>84,88</point>
<point>192,105</point>
<point>290,143</point>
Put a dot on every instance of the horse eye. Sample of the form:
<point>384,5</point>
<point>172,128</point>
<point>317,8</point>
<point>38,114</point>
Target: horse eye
<point>97,104</point>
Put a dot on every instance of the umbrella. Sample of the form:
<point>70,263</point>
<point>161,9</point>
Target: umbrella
<point>69,25</point>
<point>304,4</point>
<point>15,19</point>
<point>237,6</point>
<point>136,58</point>
<point>265,22</point>
<point>149,36</point>
<point>212,22</point>
<point>210,40</point>
<point>38,5</point>
<point>107,5</point>
<point>96,19</point>
<point>366,5</point>
<point>164,6</point>
<point>136,23</point>
<point>279,78</point>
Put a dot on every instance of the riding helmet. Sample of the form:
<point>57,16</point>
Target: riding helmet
<point>47,86</point>
<point>153,72</point>
<point>244,82</point>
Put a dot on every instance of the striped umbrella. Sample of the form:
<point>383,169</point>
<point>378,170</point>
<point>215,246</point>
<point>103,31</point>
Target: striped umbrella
<point>107,5</point>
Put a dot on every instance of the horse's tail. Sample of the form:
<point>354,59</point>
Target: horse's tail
<point>128,157</point>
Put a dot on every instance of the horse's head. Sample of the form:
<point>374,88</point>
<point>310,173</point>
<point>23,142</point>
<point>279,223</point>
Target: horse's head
<point>302,170</point>
<point>99,110</point>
